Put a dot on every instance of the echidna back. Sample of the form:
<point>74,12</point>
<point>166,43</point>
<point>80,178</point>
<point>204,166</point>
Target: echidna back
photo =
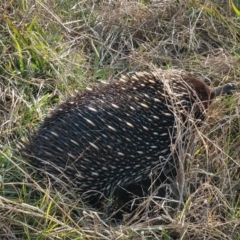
<point>116,134</point>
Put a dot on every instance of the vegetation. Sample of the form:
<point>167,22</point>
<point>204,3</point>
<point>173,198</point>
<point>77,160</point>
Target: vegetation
<point>50,48</point>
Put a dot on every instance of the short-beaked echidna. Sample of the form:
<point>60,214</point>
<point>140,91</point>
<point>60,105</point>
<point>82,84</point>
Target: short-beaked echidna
<point>116,134</point>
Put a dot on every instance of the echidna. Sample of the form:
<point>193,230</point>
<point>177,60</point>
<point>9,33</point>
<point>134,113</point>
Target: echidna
<point>116,134</point>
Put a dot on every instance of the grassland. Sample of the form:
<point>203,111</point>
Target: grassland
<point>48,49</point>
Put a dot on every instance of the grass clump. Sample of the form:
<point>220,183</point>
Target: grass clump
<point>48,49</point>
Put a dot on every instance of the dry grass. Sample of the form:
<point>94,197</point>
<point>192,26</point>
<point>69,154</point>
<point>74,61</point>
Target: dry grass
<point>50,48</point>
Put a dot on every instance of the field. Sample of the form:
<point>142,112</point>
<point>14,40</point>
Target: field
<point>49,49</point>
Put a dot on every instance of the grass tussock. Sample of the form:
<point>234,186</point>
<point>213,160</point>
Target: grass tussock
<point>50,48</point>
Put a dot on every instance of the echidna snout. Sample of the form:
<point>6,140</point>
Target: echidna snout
<point>116,134</point>
<point>222,90</point>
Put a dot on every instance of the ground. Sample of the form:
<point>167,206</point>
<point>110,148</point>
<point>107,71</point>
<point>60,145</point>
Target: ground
<point>48,49</point>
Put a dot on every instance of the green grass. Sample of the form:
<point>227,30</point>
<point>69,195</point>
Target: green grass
<point>48,49</point>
